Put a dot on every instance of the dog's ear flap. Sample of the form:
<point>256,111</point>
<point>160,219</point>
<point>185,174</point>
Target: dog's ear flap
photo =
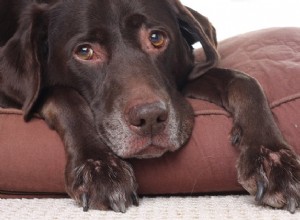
<point>207,27</point>
<point>21,58</point>
<point>196,28</point>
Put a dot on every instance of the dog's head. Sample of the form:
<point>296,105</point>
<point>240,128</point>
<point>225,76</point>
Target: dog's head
<point>128,59</point>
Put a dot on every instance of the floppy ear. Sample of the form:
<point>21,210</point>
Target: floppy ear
<point>195,27</point>
<point>207,27</point>
<point>21,57</point>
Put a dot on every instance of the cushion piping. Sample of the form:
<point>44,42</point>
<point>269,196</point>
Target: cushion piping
<point>274,104</point>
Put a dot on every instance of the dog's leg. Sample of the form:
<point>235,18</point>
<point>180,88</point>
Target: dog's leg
<point>267,167</point>
<point>94,176</point>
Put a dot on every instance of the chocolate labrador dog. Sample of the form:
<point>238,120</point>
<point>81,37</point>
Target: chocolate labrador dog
<point>111,76</point>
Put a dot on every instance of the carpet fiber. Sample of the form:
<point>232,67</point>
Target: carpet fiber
<point>202,207</point>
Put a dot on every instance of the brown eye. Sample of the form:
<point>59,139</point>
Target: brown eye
<point>157,39</point>
<point>85,52</point>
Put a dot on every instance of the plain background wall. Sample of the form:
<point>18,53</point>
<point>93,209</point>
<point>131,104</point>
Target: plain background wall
<point>232,17</point>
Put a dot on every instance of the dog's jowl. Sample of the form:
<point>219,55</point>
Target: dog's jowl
<point>111,78</point>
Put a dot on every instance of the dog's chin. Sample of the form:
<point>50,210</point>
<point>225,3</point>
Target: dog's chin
<point>150,152</point>
<point>147,152</point>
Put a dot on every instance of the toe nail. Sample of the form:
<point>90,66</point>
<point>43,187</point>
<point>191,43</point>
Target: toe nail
<point>120,208</point>
<point>85,202</point>
<point>135,199</point>
<point>291,205</point>
<point>260,191</point>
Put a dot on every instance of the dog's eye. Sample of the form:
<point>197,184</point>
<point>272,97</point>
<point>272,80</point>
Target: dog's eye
<point>157,39</point>
<point>85,52</point>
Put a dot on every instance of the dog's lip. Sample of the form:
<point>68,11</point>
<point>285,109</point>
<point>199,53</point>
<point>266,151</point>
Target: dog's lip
<point>150,151</point>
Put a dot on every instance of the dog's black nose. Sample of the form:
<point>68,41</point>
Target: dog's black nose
<point>148,118</point>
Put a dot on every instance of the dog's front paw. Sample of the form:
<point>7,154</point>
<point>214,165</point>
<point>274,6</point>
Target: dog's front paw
<point>102,184</point>
<point>272,176</point>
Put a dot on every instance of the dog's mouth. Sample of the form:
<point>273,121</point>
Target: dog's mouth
<point>147,147</point>
<point>151,151</point>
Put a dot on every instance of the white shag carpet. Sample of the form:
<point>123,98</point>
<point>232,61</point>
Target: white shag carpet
<point>237,207</point>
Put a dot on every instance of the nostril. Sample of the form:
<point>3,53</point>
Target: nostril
<point>142,123</point>
<point>162,118</point>
<point>136,121</point>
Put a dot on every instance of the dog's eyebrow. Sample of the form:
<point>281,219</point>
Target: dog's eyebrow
<point>135,20</point>
<point>99,34</point>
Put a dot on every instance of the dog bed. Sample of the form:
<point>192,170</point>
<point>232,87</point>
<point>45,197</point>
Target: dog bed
<point>32,156</point>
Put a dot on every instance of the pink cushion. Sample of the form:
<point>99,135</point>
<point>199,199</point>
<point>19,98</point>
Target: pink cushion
<point>32,156</point>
